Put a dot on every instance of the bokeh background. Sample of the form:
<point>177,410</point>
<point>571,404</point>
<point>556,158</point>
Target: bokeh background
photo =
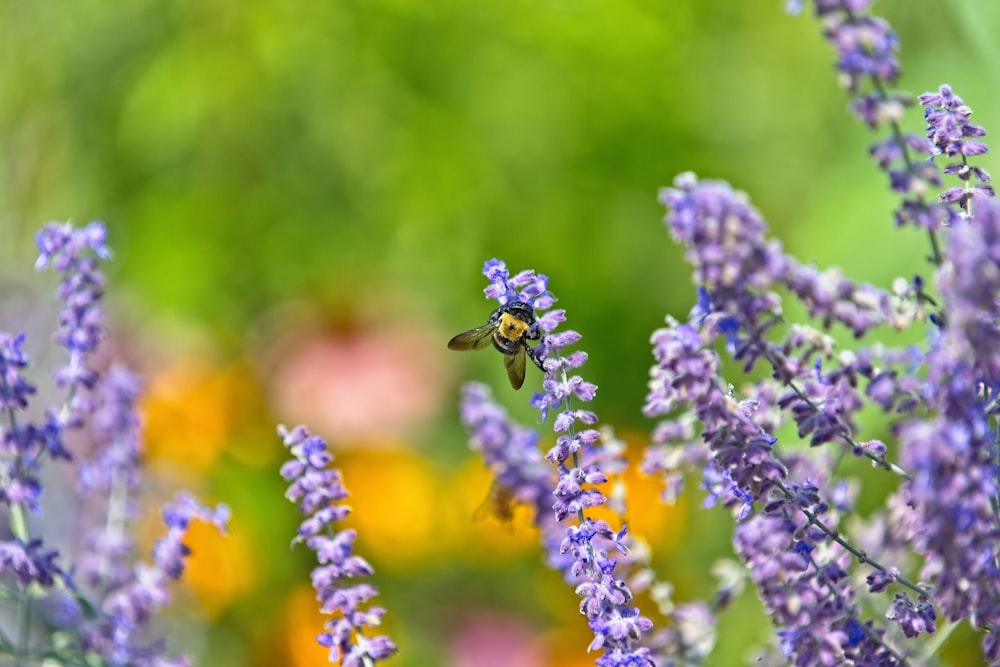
<point>301,196</point>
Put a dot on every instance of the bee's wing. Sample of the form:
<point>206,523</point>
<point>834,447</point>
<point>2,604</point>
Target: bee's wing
<point>514,363</point>
<point>499,504</point>
<point>484,510</point>
<point>473,339</point>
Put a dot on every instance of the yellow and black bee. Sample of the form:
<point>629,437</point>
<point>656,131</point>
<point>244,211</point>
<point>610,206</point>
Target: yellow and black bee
<point>510,327</point>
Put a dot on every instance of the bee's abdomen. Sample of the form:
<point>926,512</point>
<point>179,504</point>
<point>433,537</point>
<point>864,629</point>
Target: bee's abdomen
<point>504,344</point>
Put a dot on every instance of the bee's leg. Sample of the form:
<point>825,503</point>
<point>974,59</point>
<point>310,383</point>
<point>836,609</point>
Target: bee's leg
<point>531,355</point>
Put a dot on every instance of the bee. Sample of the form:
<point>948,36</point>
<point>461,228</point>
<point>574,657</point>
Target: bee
<point>499,504</point>
<point>509,328</point>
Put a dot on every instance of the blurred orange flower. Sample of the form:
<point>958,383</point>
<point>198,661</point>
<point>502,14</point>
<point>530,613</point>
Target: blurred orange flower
<point>189,410</point>
<point>221,567</point>
<point>398,504</point>
<point>303,623</point>
<point>487,537</point>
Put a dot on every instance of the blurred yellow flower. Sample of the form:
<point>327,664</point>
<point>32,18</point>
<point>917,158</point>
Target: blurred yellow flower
<point>189,413</point>
<point>398,504</point>
<point>220,568</point>
<point>303,622</point>
<point>486,534</point>
<point>647,517</point>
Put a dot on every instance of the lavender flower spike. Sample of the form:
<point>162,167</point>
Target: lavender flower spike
<point>952,135</point>
<point>64,249</point>
<point>510,451</point>
<point>605,600</point>
<point>318,490</point>
<point>110,480</point>
<point>128,609</point>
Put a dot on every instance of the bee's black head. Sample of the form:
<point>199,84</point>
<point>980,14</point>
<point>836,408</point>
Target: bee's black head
<point>519,309</point>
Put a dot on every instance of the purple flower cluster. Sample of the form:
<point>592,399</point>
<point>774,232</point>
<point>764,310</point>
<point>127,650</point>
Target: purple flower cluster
<point>953,454</point>
<point>866,48</point>
<point>316,488</point>
<point>104,610</point>
<point>22,442</point>
<point>112,477</point>
<point>743,470</point>
<point>739,270</point>
<point>810,599</point>
<point>74,253</point>
<point>945,396</point>
<point>115,634</point>
<point>510,451</point>
<point>952,135</point>
<point>605,599</point>
<point>866,45</point>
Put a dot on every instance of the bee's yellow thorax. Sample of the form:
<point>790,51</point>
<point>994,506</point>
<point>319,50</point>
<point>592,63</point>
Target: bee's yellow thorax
<point>512,327</point>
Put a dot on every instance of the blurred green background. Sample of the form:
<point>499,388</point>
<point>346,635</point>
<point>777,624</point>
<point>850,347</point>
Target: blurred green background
<point>301,196</point>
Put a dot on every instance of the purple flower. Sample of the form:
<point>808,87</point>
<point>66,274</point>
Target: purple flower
<point>948,126</point>
<point>724,239</point>
<point>317,489</point>
<point>736,266</point>
<point>913,618</point>
<point>953,452</point>
<point>509,450</point>
<point>808,596</point>
<point>29,562</point>
<point>74,253</point>
<point>952,135</point>
<point>126,610</point>
<point>115,424</point>
<point>21,442</point>
<point>104,620</point>
<point>605,600</point>
<point>800,575</point>
<point>14,389</point>
<point>866,47</point>
<point>110,479</point>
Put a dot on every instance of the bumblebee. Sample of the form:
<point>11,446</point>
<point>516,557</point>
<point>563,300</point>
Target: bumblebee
<point>510,327</point>
<point>500,503</point>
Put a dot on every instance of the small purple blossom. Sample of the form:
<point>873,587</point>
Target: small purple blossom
<point>30,562</point>
<point>866,45</point>
<point>914,618</point>
<point>948,126</point>
<point>317,489</point>
<point>15,390</point>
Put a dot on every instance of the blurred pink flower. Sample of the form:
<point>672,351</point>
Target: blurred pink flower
<point>487,639</point>
<point>364,385</point>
